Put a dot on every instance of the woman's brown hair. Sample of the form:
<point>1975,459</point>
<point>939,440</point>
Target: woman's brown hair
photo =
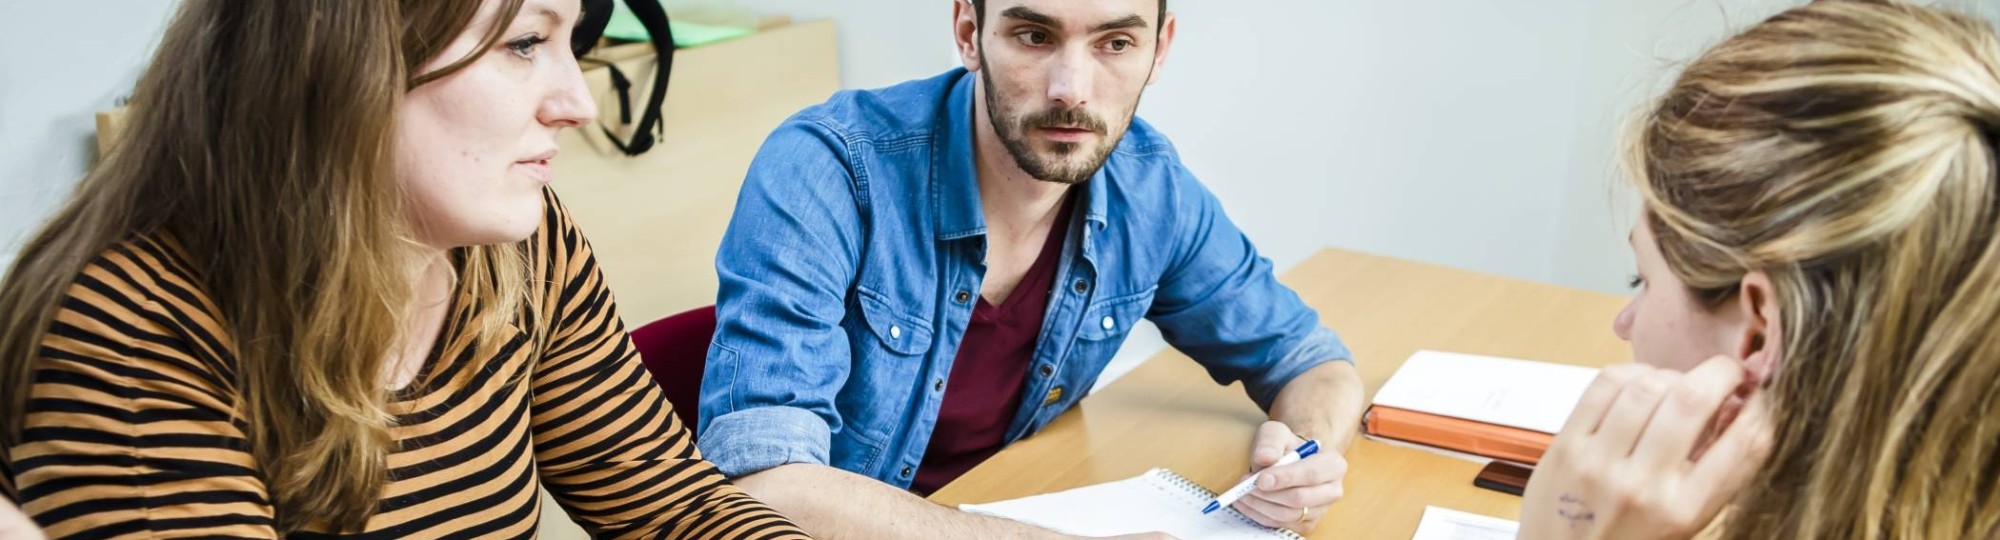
<point>259,141</point>
<point>1847,149</point>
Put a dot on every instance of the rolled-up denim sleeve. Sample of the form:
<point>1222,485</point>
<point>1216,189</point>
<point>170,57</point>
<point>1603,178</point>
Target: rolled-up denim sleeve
<point>785,265</point>
<point>1221,303</point>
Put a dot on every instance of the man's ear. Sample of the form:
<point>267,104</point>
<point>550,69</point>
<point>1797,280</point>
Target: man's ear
<point>1167,28</point>
<point>965,31</point>
<point>1762,342</point>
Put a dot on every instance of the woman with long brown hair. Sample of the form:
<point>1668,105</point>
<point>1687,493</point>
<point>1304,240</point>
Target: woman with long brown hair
<point>1819,323</point>
<point>320,287</point>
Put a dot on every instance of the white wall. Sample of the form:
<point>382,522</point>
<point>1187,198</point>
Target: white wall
<point>60,64</point>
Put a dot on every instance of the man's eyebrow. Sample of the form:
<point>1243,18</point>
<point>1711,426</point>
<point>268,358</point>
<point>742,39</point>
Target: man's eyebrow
<point>1129,21</point>
<point>1030,15</point>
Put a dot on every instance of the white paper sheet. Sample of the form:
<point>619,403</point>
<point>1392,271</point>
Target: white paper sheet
<point>1447,524</point>
<point>1158,501</point>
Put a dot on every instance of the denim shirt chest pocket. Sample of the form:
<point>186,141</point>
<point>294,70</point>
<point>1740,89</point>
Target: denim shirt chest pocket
<point>896,331</point>
<point>890,343</point>
<point>1108,321</point>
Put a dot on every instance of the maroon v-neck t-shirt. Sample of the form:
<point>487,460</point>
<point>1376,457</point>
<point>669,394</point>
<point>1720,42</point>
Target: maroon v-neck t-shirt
<point>991,370</point>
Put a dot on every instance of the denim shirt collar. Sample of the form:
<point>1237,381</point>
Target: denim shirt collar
<point>955,178</point>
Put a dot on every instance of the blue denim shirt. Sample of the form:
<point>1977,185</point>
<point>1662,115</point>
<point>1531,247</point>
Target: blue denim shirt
<point>854,260</point>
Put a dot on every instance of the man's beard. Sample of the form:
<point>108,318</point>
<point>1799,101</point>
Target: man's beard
<point>1013,130</point>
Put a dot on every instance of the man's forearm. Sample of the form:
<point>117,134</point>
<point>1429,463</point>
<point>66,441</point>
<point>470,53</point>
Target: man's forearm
<point>832,504</point>
<point>1323,403</point>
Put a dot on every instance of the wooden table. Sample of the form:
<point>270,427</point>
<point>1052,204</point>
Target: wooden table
<point>1168,413</point>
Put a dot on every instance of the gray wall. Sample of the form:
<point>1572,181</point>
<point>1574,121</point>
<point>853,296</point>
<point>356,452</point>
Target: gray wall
<point>60,64</point>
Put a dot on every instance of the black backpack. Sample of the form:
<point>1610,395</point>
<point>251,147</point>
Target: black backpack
<point>596,15</point>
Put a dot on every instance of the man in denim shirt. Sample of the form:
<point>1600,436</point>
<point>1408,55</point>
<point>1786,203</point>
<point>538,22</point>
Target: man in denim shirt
<point>918,275</point>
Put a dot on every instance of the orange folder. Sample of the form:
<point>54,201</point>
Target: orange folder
<point>1458,435</point>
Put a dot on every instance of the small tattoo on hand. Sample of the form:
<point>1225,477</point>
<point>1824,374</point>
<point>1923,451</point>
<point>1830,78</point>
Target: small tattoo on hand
<point>1573,510</point>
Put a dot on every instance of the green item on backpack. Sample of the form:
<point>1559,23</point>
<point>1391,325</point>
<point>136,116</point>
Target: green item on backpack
<point>625,26</point>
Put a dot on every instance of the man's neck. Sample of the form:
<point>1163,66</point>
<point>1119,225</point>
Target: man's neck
<point>1015,203</point>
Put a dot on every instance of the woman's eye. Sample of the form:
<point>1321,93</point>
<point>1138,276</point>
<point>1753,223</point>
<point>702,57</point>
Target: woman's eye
<point>525,47</point>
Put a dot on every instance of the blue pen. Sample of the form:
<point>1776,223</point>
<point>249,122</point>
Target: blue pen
<point>1243,488</point>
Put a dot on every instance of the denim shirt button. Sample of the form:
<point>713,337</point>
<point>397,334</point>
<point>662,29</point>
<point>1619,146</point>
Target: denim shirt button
<point>962,297</point>
<point>895,332</point>
<point>1081,286</point>
<point>1047,370</point>
<point>906,471</point>
<point>1109,323</point>
<point>938,386</point>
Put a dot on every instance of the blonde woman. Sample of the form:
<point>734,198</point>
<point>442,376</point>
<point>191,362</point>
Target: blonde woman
<point>1819,324</point>
<point>321,288</point>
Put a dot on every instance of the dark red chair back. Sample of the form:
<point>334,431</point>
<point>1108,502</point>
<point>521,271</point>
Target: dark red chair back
<point>675,350</point>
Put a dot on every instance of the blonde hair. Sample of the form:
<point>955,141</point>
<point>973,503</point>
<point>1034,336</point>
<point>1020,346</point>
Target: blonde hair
<point>1847,149</point>
<point>259,143</point>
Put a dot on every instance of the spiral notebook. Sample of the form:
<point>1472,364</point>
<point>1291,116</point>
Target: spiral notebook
<point>1158,501</point>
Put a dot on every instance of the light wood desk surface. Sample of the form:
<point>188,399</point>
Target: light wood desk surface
<point>1168,413</point>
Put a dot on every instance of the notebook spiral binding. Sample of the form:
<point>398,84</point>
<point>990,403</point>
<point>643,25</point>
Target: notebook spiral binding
<point>1204,494</point>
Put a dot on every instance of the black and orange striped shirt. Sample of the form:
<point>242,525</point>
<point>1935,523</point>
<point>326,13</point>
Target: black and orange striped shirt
<point>133,427</point>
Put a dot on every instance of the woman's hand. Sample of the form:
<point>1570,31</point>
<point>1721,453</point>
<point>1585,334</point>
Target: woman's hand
<point>14,525</point>
<point>1640,457</point>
